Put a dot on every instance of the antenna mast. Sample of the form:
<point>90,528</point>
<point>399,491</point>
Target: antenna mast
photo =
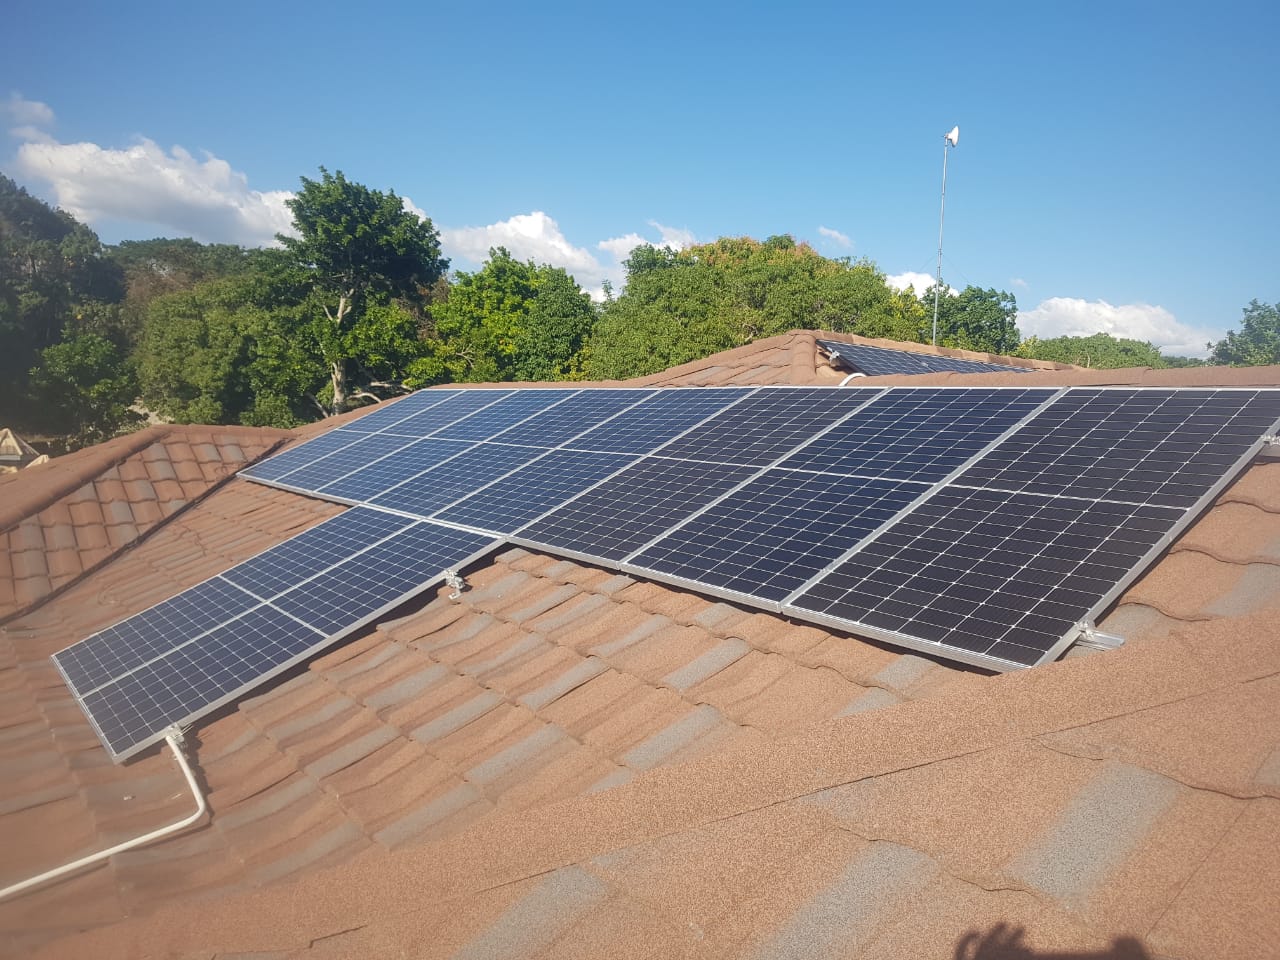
<point>948,141</point>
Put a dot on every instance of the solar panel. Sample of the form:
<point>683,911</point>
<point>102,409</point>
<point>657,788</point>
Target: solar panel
<point>340,463</point>
<point>579,413</point>
<point>630,509</point>
<point>662,417</point>
<point>183,657</point>
<point>392,412</point>
<point>917,434</point>
<point>883,361</point>
<point>776,532</point>
<point>462,404</point>
<point>425,493</point>
<point>1148,446</point>
<point>990,576</point>
<point>493,419</point>
<point>764,426</point>
<point>289,460</point>
<point>513,501</point>
<point>418,456</point>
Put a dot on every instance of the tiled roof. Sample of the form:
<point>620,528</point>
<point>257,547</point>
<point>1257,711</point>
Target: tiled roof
<point>569,762</point>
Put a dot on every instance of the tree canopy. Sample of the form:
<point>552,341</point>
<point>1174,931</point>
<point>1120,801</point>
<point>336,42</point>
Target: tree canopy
<point>1256,342</point>
<point>974,319</point>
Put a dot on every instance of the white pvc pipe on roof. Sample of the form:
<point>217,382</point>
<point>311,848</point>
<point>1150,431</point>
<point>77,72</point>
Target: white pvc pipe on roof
<point>175,744</point>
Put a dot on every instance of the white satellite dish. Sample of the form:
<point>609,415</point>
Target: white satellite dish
<point>954,136</point>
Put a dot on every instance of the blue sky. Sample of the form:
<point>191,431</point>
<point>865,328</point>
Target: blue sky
<point>1116,165</point>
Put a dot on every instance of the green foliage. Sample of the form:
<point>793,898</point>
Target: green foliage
<point>680,306</point>
<point>973,319</point>
<point>510,320</point>
<point>1257,342</point>
<point>1100,350</point>
<point>85,389</point>
<point>359,248</point>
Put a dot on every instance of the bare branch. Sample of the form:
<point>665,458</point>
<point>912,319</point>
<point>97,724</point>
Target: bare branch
<point>361,393</point>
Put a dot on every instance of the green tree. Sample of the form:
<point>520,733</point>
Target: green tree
<point>510,320</point>
<point>358,248</point>
<point>974,319</point>
<point>85,389</point>
<point>1256,343</point>
<point>1099,350</point>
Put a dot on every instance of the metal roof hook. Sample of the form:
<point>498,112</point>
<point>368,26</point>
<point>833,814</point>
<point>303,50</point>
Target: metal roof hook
<point>453,579</point>
<point>1094,639</point>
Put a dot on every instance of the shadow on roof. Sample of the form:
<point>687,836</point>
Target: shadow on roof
<point>1005,942</point>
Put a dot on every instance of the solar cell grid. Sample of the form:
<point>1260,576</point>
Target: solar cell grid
<point>883,361</point>
<point>1145,446</point>
<point>132,642</point>
<point>305,555</point>
<point>462,404</point>
<point>566,420</point>
<point>486,423</point>
<point>776,532</point>
<point>917,434</point>
<point>388,413</point>
<point>997,574</point>
<point>418,456</point>
<point>509,504</point>
<point>326,469</point>
<point>658,419</point>
<point>764,426</point>
<point>424,494</point>
<point>630,509</point>
<point>289,460</point>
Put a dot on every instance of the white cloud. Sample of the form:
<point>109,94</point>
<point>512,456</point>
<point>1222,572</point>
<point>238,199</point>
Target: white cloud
<point>413,208</point>
<point>836,237</point>
<point>1018,282</point>
<point>30,117</point>
<point>538,237</point>
<point>920,282</point>
<point>1072,316</point>
<point>174,191</point>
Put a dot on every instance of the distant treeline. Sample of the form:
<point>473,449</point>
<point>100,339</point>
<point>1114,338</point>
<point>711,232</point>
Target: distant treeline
<point>359,306</point>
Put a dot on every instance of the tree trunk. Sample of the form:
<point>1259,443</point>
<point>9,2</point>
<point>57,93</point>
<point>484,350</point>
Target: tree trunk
<point>338,376</point>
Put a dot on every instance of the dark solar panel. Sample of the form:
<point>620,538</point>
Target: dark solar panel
<point>507,412</point>
<point>389,413</point>
<point>181,658</point>
<point>462,404</point>
<point>776,532</point>
<point>998,575</point>
<point>287,461</point>
<point>1145,446</point>
<point>581,412</point>
<point>466,473</point>
<point>340,463</point>
<point>883,361</point>
<point>627,511</point>
<point>765,426</point>
<point>658,419</point>
<point>509,504</point>
<point>917,434</point>
<point>363,485</point>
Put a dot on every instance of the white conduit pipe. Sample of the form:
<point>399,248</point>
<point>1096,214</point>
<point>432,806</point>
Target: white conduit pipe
<point>175,744</point>
<point>853,376</point>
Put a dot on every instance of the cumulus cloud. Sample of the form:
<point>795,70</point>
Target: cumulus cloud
<point>920,282</point>
<point>836,237</point>
<point>413,208</point>
<point>173,191</point>
<point>30,118</point>
<point>1072,316</point>
<point>538,237</point>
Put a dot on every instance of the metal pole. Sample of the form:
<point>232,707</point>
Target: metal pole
<point>937,283</point>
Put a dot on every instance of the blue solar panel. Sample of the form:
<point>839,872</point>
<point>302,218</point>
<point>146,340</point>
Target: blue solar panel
<point>627,511</point>
<point>665,415</point>
<point>776,532</point>
<point>273,468</point>
<point>428,492</point>
<point>576,415</point>
<point>765,426</point>
<point>989,574</point>
<point>463,404</point>
<point>509,504</point>
<point>917,434</point>
<point>883,361</point>
<point>340,463</point>
<point>1145,446</point>
<point>389,413</point>
<point>484,424</point>
<point>363,485</point>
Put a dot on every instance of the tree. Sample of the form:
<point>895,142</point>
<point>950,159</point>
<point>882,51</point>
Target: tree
<point>358,248</point>
<point>85,389</point>
<point>510,320</point>
<point>1100,350</point>
<point>1257,342</point>
<point>974,319</point>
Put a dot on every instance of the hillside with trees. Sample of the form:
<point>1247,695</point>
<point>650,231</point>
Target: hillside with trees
<point>358,306</point>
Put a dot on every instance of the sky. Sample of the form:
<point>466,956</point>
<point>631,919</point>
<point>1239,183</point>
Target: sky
<point>1115,169</point>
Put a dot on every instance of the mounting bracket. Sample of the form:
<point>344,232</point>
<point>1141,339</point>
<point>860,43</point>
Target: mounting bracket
<point>453,579</point>
<point>1094,639</point>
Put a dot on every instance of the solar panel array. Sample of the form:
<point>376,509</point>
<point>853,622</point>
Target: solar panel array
<point>883,361</point>
<point>986,525</point>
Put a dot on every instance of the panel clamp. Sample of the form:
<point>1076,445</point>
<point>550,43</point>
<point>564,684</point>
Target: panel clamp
<point>1094,639</point>
<point>453,579</point>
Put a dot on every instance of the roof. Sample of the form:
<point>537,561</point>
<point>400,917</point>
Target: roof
<point>14,451</point>
<point>569,762</point>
